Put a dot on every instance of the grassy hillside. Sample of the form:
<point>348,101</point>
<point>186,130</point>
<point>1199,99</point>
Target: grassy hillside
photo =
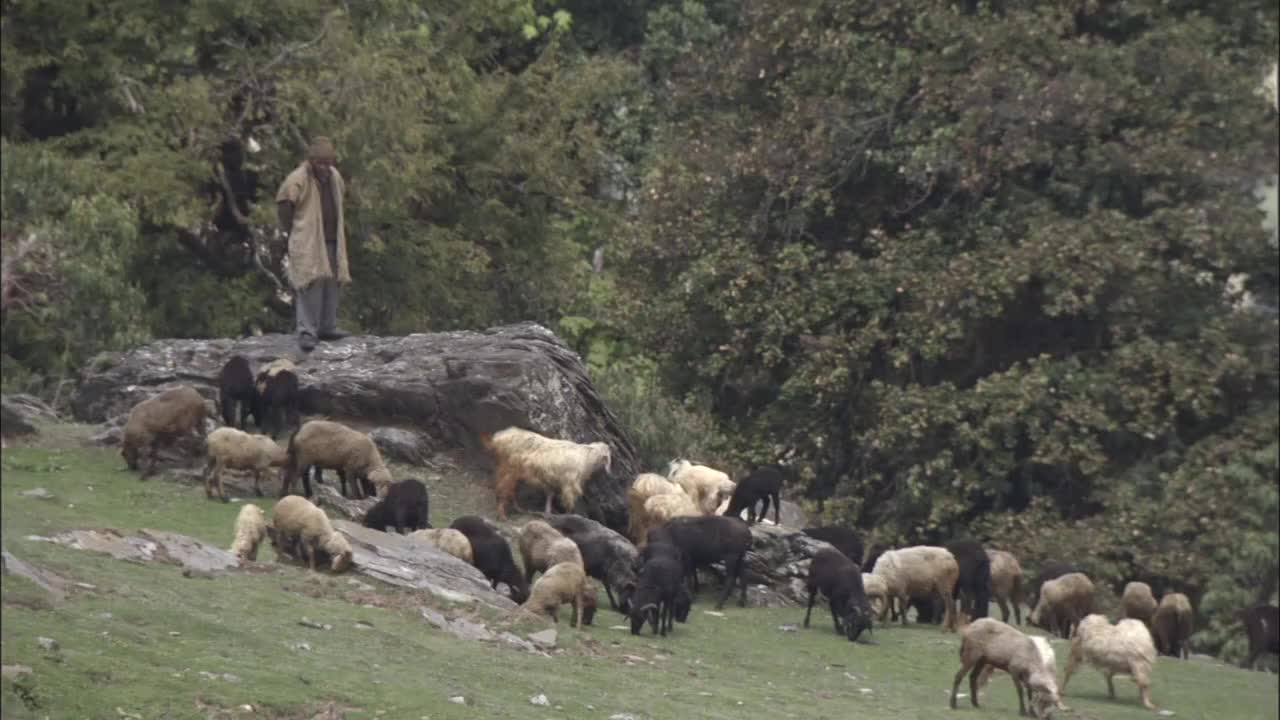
<point>146,642</point>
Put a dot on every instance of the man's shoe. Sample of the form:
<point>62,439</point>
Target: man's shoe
<point>307,342</point>
<point>334,334</point>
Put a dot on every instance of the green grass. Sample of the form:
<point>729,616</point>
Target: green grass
<point>118,654</point>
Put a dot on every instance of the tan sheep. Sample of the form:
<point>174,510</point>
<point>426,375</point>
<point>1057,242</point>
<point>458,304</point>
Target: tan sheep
<point>299,525</point>
<point>878,593</point>
<point>447,540</point>
<point>330,445</point>
<point>1006,583</point>
<point>1125,648</point>
<point>1172,623</point>
<point>987,642</point>
<point>645,486</point>
<point>1138,602</point>
<point>232,449</point>
<point>565,582</point>
<point>1063,602</point>
<point>707,486</point>
<point>661,508</point>
<point>542,547</point>
<point>557,467</point>
<point>1048,660</point>
<point>921,571</point>
<point>251,528</point>
<point>161,418</point>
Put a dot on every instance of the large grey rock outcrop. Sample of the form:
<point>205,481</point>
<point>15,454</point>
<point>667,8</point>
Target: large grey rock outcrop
<point>22,414</point>
<point>408,562</point>
<point>435,391</point>
<point>779,558</point>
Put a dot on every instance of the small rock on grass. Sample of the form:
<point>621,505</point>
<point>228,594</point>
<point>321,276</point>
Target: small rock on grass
<point>539,699</point>
<point>458,700</point>
<point>544,638</point>
<point>38,493</point>
<point>13,672</point>
<point>48,643</point>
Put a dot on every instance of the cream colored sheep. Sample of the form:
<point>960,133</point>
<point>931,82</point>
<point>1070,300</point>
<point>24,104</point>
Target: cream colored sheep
<point>921,571</point>
<point>878,593</point>
<point>661,508</point>
<point>557,467</point>
<point>645,486</point>
<point>707,486</point>
<point>542,547</point>
<point>1006,583</point>
<point>1063,602</point>
<point>1138,602</point>
<point>987,642</point>
<point>447,540</point>
<point>1125,648</point>
<point>565,582</point>
<point>251,528</point>
<point>299,524</point>
<point>160,418</point>
<point>232,449</point>
<point>1048,661</point>
<point>1172,623</point>
<point>325,444</point>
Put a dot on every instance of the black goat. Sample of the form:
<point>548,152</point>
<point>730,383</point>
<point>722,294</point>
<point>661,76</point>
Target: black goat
<point>973,588</point>
<point>491,555</point>
<point>1262,623</point>
<point>405,507</point>
<point>606,555</point>
<point>657,591</point>
<point>843,539</point>
<point>762,484</point>
<point>237,395</point>
<point>278,400</point>
<point>840,580</point>
<point>709,539</point>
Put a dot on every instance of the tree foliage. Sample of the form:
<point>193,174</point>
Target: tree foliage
<point>968,264</point>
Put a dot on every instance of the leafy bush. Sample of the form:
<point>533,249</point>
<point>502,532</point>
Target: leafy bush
<point>662,427</point>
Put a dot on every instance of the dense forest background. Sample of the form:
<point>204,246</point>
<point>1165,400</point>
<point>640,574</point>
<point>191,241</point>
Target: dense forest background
<point>976,267</point>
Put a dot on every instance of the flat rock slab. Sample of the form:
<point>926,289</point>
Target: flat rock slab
<point>468,630</point>
<point>408,562</point>
<point>50,581</point>
<point>150,546</point>
<point>440,389</point>
<point>23,414</point>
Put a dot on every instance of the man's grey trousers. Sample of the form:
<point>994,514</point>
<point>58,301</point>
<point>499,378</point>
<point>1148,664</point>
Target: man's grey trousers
<point>316,307</point>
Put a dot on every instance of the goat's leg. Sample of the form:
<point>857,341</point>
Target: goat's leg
<point>207,477</point>
<point>1144,690</point>
<point>973,681</point>
<point>1073,660</point>
<point>813,594</point>
<point>1022,707</point>
<point>1111,687</point>
<point>306,481</point>
<point>955,686</point>
<point>777,508</point>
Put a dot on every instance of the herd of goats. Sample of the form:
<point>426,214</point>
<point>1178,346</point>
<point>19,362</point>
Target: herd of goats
<point>687,519</point>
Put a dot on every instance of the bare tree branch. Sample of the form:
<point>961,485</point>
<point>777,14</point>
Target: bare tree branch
<point>229,196</point>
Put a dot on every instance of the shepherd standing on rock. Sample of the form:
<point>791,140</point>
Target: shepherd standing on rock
<point>309,206</point>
